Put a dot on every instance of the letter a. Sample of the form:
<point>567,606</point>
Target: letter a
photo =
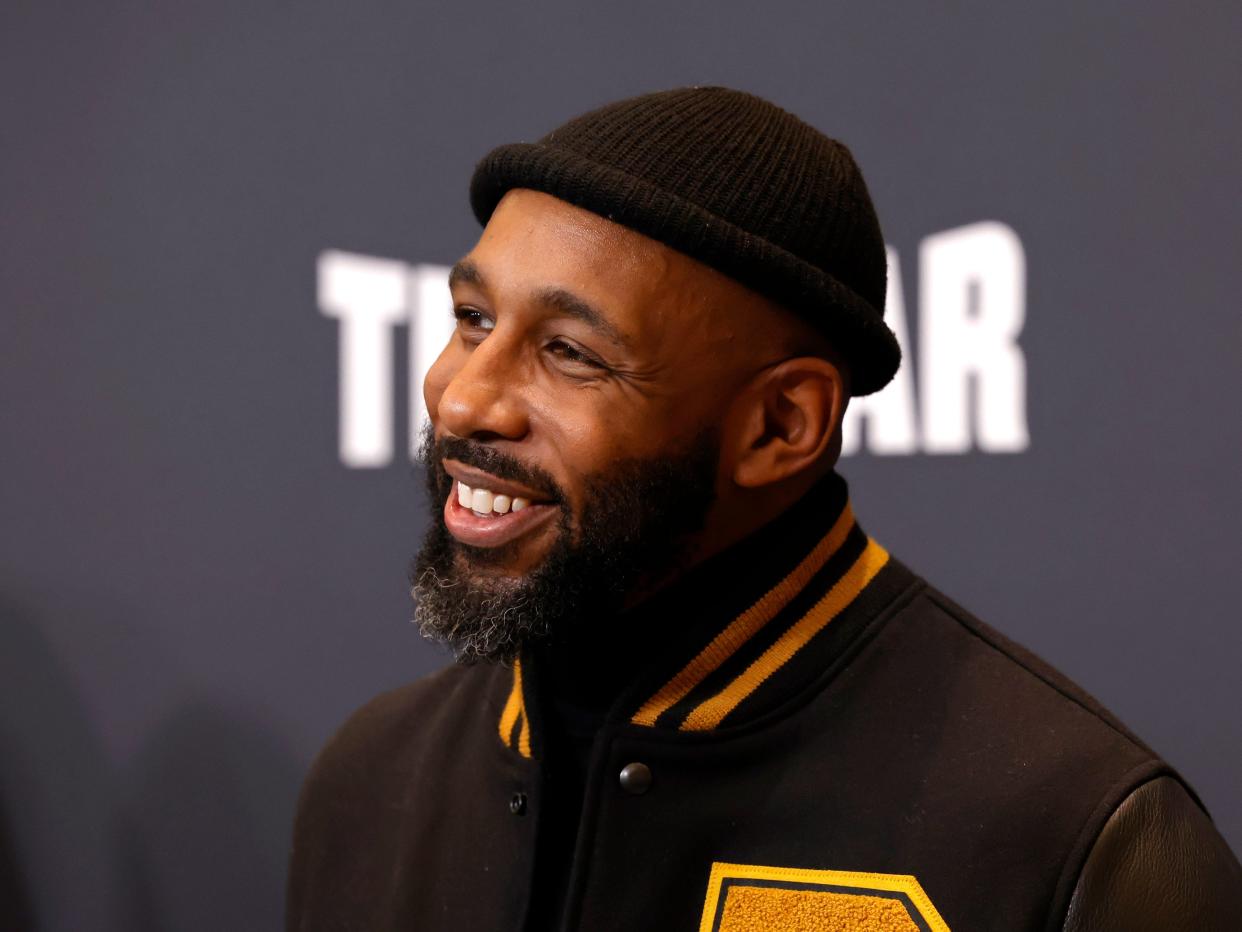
<point>972,303</point>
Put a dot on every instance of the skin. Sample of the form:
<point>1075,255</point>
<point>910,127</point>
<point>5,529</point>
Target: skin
<point>674,346</point>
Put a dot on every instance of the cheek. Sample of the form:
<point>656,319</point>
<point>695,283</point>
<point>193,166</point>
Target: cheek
<point>587,433</point>
<point>567,433</point>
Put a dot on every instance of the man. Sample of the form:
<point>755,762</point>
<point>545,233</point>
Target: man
<point>694,694</point>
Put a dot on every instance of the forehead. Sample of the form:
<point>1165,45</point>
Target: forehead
<point>534,241</point>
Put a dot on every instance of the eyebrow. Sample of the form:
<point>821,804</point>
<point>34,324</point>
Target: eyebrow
<point>561,300</point>
<point>569,304</point>
<point>465,272</point>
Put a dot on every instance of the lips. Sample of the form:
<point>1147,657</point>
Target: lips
<point>485,511</point>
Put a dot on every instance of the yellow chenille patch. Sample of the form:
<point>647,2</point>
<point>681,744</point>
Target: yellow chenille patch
<point>759,909</point>
<point>752,897</point>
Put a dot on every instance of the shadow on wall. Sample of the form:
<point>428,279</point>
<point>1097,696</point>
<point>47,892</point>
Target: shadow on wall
<point>56,791</point>
<point>190,833</point>
<point>14,903</point>
<point>206,846</point>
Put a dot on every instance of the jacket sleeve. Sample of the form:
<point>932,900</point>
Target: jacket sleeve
<point>1158,864</point>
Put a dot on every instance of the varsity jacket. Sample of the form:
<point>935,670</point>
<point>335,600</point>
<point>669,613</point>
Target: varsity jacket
<point>808,737</point>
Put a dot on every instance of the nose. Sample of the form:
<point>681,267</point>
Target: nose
<point>483,399</point>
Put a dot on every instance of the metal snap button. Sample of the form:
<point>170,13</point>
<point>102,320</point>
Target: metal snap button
<point>635,778</point>
<point>517,805</point>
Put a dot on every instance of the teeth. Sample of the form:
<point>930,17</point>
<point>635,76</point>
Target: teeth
<point>481,501</point>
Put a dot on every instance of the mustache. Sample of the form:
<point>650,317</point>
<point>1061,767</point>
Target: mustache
<point>434,452</point>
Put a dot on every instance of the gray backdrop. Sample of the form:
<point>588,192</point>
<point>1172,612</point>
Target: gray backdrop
<point>195,589</point>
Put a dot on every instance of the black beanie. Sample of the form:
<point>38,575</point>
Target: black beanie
<point>736,183</point>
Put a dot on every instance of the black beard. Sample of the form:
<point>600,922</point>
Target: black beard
<point>634,532</point>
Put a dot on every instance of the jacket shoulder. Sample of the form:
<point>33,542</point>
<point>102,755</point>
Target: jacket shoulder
<point>395,727</point>
<point>1051,760</point>
<point>380,767</point>
<point>1022,663</point>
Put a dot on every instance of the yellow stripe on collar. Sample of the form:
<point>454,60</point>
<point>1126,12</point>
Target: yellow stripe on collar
<point>524,734</point>
<point>708,714</point>
<point>515,709</point>
<point>744,627</point>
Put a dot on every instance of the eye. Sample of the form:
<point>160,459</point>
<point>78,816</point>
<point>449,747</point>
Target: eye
<point>470,318</point>
<point>574,355</point>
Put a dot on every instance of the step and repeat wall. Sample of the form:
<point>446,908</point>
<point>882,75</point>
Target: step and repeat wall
<point>225,230</point>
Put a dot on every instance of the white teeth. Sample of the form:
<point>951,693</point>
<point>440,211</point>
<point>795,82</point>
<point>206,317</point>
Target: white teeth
<point>481,501</point>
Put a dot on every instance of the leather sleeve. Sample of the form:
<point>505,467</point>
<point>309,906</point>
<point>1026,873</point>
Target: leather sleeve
<point>1158,864</point>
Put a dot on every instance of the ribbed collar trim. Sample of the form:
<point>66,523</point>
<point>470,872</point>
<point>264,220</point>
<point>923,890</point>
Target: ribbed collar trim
<point>713,642</point>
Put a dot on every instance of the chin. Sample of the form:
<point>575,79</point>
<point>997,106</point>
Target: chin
<point>515,561</point>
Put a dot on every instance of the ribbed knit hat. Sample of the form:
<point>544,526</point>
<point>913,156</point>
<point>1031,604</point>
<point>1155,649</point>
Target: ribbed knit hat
<point>735,182</point>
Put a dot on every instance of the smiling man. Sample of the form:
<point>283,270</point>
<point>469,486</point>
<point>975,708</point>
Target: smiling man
<point>692,692</point>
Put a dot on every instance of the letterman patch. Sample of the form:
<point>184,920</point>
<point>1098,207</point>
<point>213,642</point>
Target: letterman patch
<point>752,898</point>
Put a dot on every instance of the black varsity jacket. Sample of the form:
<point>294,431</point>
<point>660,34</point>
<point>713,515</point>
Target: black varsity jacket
<point>817,740</point>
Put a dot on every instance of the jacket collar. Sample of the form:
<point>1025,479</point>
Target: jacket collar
<point>734,637</point>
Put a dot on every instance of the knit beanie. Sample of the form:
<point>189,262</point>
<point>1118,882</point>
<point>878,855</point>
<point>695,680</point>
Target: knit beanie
<point>737,183</point>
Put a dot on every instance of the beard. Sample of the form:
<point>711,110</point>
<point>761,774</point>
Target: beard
<point>634,531</point>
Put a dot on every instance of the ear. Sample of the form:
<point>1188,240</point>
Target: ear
<point>786,420</point>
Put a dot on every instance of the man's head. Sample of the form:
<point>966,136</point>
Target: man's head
<point>632,399</point>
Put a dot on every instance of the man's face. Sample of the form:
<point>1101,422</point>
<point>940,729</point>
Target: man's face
<point>582,394</point>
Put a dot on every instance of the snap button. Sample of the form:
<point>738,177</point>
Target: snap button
<point>517,805</point>
<point>635,778</point>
